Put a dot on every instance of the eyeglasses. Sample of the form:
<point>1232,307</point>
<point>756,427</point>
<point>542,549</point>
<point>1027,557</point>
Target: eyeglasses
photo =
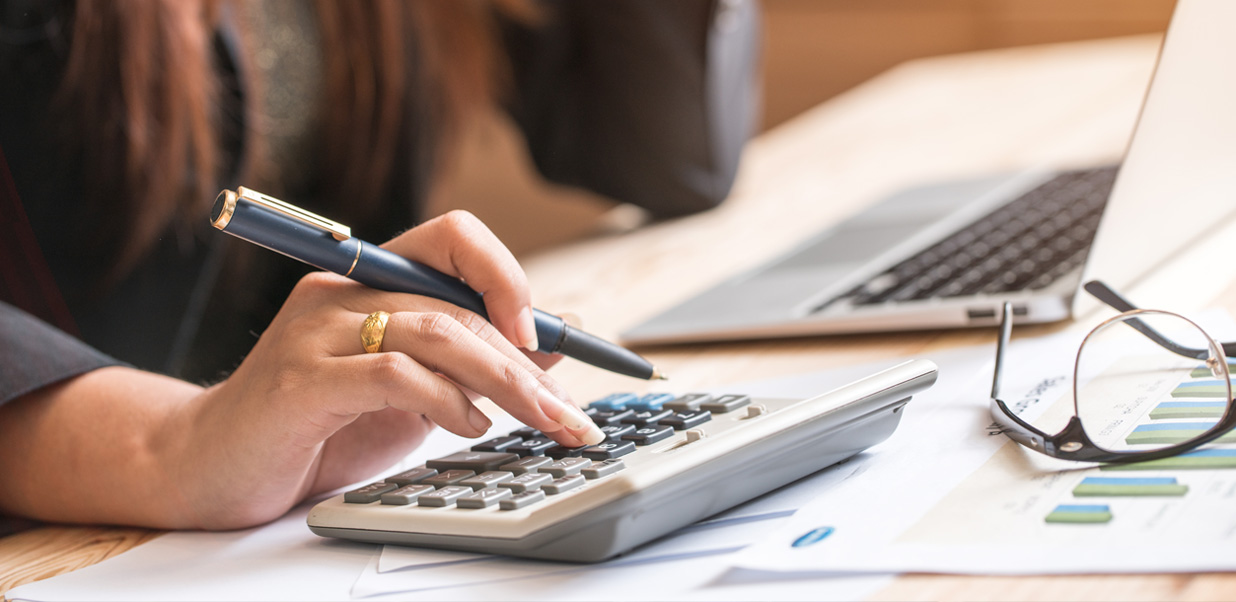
<point>1147,384</point>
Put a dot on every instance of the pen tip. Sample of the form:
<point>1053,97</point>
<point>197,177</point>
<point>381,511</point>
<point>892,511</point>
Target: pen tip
<point>658,375</point>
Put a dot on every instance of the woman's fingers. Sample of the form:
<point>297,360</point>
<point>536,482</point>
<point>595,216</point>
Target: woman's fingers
<point>468,351</point>
<point>459,244</point>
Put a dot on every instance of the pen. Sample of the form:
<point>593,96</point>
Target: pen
<point>287,229</point>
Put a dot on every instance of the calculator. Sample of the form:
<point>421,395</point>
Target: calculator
<point>667,461</point>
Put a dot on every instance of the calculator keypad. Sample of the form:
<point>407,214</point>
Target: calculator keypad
<point>525,467</point>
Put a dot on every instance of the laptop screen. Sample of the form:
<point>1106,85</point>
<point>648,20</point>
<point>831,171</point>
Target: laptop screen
<point>1178,179</point>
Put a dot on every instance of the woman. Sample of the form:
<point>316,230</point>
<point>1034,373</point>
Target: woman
<point>120,121</point>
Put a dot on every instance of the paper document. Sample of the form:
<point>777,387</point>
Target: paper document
<point>954,495</point>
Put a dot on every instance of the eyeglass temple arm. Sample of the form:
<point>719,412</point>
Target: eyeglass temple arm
<point>1006,331</point>
<point>1104,293</point>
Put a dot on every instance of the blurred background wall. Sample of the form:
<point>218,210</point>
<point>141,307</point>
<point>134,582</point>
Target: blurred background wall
<point>813,50</point>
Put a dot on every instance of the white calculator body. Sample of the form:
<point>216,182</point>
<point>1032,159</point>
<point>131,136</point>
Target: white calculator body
<point>668,461</point>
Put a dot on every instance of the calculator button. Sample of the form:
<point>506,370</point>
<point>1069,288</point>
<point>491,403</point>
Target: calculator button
<point>726,403</point>
<point>566,467</point>
<point>603,469</point>
<point>526,482</point>
<point>405,495</point>
<point>449,477</point>
<point>689,402</point>
<point>487,480</point>
<point>608,418</point>
<point>368,493</point>
<point>408,477</point>
<point>613,403</point>
<point>616,431</point>
<point>474,461</point>
<point>483,498</point>
<point>642,419</point>
<point>443,497</point>
<point>526,433</point>
<point>682,421</point>
<point>532,447</point>
<point>496,444</point>
<point>529,464</point>
<point>521,500</point>
<point>649,434</point>
<point>650,402</point>
<point>563,484</point>
<point>560,452</point>
<point>606,451</point>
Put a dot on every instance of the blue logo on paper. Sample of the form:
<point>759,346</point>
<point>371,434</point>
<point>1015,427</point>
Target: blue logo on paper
<point>812,537</point>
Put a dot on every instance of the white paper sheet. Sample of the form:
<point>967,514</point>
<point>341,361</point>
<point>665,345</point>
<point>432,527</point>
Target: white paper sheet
<point>953,496</point>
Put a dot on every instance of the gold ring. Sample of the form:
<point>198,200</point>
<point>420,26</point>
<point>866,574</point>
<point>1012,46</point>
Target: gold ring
<point>372,331</point>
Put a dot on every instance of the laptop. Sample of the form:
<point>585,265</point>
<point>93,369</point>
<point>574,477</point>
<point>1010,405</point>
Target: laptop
<point>948,255</point>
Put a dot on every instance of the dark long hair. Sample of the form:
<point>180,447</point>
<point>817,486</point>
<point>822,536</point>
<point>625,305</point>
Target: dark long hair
<point>140,98</point>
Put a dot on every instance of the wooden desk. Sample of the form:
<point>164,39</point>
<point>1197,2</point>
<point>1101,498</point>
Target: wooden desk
<point>926,120</point>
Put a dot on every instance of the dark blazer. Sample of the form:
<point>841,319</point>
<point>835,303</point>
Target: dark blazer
<point>644,101</point>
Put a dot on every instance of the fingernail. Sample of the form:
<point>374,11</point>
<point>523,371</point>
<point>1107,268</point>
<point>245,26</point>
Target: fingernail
<point>559,411</point>
<point>478,420</point>
<point>525,329</point>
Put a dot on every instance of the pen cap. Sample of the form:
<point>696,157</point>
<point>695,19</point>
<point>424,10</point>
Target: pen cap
<point>282,233</point>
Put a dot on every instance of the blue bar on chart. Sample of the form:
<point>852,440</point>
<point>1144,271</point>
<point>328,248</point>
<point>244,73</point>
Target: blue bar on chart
<point>1129,487</point>
<point>1200,459</point>
<point>1173,432</point>
<point>1188,409</point>
<point>1080,513</point>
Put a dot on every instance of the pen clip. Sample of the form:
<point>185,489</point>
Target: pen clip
<point>335,229</point>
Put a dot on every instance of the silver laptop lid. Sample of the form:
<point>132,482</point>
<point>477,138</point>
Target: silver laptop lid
<point>1178,179</point>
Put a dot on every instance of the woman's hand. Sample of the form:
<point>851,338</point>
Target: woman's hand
<point>307,411</point>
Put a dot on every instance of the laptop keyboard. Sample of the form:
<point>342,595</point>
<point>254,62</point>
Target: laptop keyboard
<point>1025,244</point>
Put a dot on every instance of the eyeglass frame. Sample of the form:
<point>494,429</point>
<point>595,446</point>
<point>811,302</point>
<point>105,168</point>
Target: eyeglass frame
<point>1072,442</point>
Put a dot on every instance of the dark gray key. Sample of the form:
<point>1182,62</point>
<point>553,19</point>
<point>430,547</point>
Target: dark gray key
<point>409,477</point>
<point>496,444</point>
<point>526,482</point>
<point>483,498</point>
<point>406,495</point>
<point>726,403</point>
<point>688,403</point>
<point>521,500</point>
<point>607,450</point>
<point>449,477</point>
<point>566,467</point>
<point>487,480</point>
<point>443,497</point>
<point>560,452</point>
<point>682,421</point>
<point>616,431</point>
<point>602,469</point>
<point>608,418</point>
<point>474,461</point>
<point>369,493</point>
<point>524,465</point>
<point>526,433</point>
<point>563,484</point>
<point>649,434</point>
<point>642,419</point>
<point>532,447</point>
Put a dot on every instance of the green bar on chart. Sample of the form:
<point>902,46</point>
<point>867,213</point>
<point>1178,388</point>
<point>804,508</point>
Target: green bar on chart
<point>1080,513</point>
<point>1129,486</point>
<point>1188,409</point>
<point>1203,371</point>
<point>1168,433</point>
<point>1196,460</point>
<point>1201,388</point>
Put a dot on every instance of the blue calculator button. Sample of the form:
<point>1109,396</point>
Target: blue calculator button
<point>613,403</point>
<point>650,402</point>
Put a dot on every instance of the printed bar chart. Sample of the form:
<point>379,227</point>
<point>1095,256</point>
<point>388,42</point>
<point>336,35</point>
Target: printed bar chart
<point>1080,513</point>
<point>1201,388</point>
<point>1129,486</point>
<point>1173,432</point>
